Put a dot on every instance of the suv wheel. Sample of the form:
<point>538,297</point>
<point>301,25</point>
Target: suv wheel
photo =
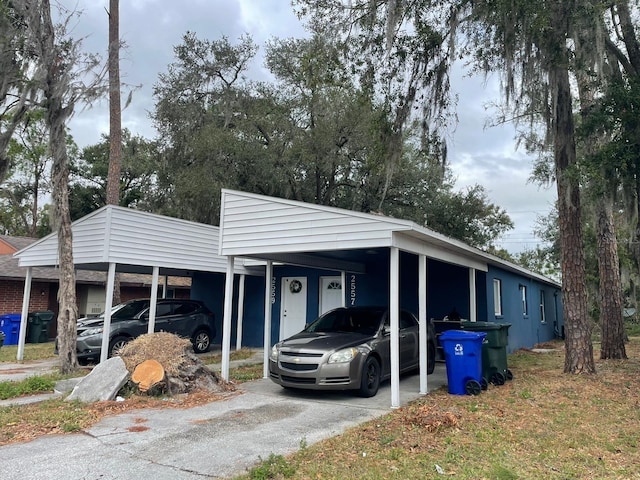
<point>116,344</point>
<point>201,341</point>
<point>431,358</point>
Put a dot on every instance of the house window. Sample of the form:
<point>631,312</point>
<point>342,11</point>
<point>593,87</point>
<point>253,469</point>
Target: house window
<point>497,297</point>
<point>523,290</point>
<point>543,319</point>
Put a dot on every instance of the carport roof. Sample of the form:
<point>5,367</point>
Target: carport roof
<point>136,242</point>
<point>269,228</point>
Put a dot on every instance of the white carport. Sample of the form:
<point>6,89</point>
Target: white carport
<point>117,239</point>
<point>297,233</point>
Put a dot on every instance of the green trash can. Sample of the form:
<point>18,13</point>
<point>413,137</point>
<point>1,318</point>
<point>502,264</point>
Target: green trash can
<point>38,326</point>
<point>494,350</point>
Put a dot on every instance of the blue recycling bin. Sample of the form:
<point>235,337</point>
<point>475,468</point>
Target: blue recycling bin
<point>10,325</point>
<point>463,359</point>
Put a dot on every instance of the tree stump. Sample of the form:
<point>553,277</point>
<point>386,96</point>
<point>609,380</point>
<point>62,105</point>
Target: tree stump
<point>182,371</point>
<point>147,374</point>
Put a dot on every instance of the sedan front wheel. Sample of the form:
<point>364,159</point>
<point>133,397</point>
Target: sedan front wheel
<point>370,381</point>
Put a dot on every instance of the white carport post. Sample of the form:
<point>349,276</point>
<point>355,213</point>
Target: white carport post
<point>422,319</point>
<point>473,305</point>
<point>240,312</point>
<point>268,278</point>
<point>108,304</point>
<point>165,286</point>
<point>394,313</point>
<point>343,285</point>
<point>26,295</point>
<point>154,299</point>
<point>226,321</point>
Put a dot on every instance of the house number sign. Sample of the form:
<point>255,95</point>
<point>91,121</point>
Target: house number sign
<point>273,290</point>
<point>352,293</point>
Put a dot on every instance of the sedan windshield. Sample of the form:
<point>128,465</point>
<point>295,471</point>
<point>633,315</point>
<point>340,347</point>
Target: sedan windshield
<point>366,322</point>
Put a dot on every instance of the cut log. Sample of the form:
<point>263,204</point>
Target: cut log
<point>147,374</point>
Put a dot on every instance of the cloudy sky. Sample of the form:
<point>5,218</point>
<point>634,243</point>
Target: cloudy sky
<point>151,28</point>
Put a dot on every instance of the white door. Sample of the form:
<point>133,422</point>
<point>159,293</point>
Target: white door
<point>330,293</point>
<point>293,314</point>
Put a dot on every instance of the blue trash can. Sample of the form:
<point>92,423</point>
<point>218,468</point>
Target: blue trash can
<point>10,325</point>
<point>463,358</point>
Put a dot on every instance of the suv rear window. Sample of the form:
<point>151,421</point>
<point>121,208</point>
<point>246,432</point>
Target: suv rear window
<point>184,308</point>
<point>163,309</point>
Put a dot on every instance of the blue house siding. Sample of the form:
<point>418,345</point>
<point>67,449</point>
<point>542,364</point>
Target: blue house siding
<point>527,327</point>
<point>209,288</point>
<point>481,296</point>
<point>447,288</point>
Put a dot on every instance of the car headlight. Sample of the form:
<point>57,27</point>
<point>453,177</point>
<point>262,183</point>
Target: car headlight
<point>274,353</point>
<point>91,331</point>
<point>342,356</point>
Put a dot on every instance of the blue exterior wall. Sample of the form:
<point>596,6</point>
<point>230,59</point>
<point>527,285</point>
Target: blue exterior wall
<point>481,296</point>
<point>313,292</point>
<point>528,328</point>
<point>447,288</point>
<point>209,288</point>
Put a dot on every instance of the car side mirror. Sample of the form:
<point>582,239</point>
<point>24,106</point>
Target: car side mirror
<point>386,330</point>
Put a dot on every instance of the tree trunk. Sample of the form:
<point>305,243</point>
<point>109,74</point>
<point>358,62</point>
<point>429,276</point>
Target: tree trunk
<point>115,114</point>
<point>603,187</point>
<point>578,345</point>
<point>115,119</point>
<point>56,116</point>
<point>611,320</point>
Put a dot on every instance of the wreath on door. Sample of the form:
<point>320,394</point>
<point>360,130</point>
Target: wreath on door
<point>295,286</point>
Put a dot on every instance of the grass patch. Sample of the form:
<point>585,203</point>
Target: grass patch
<point>25,422</point>
<point>32,351</point>
<point>29,386</point>
<point>542,425</point>
<point>245,373</point>
<point>276,466</point>
<point>632,328</point>
<point>241,354</point>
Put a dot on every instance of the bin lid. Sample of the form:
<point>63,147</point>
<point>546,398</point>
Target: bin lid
<point>462,335</point>
<point>484,325</point>
<point>45,316</point>
<point>12,317</point>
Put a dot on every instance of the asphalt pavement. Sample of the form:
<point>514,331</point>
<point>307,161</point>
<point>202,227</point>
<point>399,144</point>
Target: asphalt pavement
<point>221,439</point>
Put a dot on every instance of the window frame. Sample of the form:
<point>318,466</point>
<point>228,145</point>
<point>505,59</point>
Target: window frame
<point>497,297</point>
<point>524,302</point>
<point>543,316</point>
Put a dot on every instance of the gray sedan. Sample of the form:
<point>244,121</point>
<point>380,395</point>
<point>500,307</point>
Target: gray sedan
<point>348,349</point>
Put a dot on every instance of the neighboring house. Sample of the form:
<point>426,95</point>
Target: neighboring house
<point>90,285</point>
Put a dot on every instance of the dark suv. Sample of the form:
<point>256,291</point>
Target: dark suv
<point>187,318</point>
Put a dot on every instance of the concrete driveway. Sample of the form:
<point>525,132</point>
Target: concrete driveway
<point>218,440</point>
